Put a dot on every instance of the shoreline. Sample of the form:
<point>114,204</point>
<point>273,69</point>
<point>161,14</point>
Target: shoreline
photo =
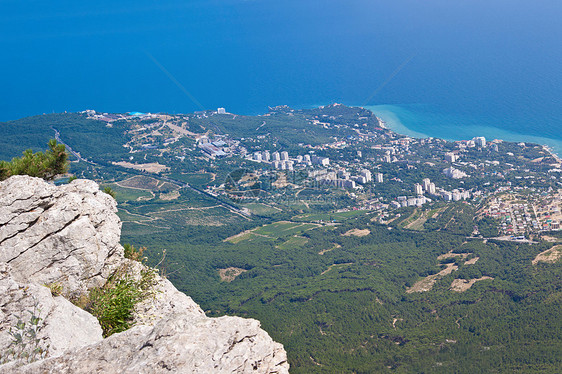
<point>552,154</point>
<point>388,115</point>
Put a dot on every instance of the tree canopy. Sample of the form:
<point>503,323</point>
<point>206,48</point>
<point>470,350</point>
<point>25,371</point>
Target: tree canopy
<point>47,165</point>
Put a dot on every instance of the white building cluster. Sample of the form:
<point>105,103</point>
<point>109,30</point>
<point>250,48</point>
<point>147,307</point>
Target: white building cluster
<point>427,186</point>
<point>405,201</point>
<point>454,195</point>
<point>283,161</point>
<point>331,178</point>
<point>343,179</point>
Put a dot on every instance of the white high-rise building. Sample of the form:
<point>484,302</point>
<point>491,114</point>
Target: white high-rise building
<point>456,195</point>
<point>257,156</point>
<point>480,141</point>
<point>451,157</point>
<point>275,156</point>
<point>323,161</point>
<point>343,174</point>
<point>379,177</point>
<point>307,159</point>
<point>265,156</point>
<point>345,183</point>
<point>387,158</point>
<point>446,195</point>
<point>426,182</point>
<point>418,189</point>
<point>431,188</point>
<point>367,174</point>
<point>454,173</point>
<point>284,156</point>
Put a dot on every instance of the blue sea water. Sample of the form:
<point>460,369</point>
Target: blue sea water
<point>444,68</point>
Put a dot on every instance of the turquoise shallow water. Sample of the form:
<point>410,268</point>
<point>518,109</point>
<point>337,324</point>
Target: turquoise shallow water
<point>420,121</point>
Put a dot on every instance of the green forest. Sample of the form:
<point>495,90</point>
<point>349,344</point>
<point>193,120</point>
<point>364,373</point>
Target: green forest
<point>340,303</point>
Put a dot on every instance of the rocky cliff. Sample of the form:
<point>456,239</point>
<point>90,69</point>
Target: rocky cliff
<point>67,239</point>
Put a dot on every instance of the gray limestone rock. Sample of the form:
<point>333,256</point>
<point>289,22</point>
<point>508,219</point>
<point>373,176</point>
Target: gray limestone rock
<point>68,237</point>
<point>68,234</point>
<point>177,344</point>
<point>61,326</point>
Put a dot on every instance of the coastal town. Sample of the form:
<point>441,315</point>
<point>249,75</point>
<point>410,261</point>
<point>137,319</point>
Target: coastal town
<point>361,165</point>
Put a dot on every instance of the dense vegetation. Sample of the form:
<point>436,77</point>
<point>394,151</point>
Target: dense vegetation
<point>347,309</point>
<point>43,165</point>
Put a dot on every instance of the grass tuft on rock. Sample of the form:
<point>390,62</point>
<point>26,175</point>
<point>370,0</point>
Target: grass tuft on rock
<point>113,304</point>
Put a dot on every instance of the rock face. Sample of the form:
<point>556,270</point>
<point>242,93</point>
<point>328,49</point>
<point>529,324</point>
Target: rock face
<point>68,238</point>
<point>63,325</point>
<point>67,234</point>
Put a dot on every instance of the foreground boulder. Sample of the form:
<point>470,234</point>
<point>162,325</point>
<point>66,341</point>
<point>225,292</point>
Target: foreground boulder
<point>68,234</point>
<point>177,344</point>
<point>65,241</point>
<point>63,325</point>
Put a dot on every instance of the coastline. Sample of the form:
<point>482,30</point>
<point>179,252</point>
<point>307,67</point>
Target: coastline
<point>399,120</point>
<point>548,150</point>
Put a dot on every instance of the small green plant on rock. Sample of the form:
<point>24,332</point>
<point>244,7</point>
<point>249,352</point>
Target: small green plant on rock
<point>26,347</point>
<point>114,303</point>
<point>56,288</point>
<point>133,253</point>
<point>108,190</point>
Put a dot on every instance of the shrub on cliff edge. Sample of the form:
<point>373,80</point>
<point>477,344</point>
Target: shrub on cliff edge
<point>42,165</point>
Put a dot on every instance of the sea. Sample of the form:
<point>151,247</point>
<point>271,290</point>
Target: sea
<point>441,68</point>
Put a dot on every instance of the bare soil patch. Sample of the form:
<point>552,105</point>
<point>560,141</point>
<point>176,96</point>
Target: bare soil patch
<point>394,320</point>
<point>336,245</point>
<point>335,265</point>
<point>426,284</point>
<point>180,130</point>
<point>357,232</point>
<point>450,254</point>
<point>170,196</point>
<point>230,274</point>
<point>238,237</point>
<point>551,255</point>
<point>472,261</point>
<point>551,239</point>
<point>281,181</point>
<point>417,224</point>
<point>438,212</point>
<point>153,167</point>
<point>461,285</point>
